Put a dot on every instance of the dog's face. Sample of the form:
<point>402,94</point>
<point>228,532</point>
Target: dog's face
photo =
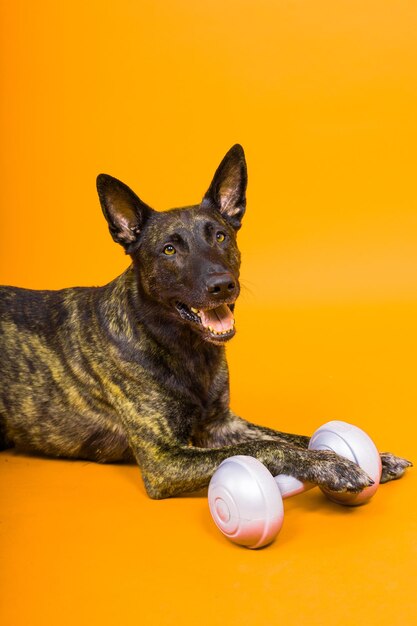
<point>187,259</point>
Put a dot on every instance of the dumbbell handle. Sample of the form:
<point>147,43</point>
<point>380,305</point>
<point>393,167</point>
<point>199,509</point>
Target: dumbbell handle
<point>290,486</point>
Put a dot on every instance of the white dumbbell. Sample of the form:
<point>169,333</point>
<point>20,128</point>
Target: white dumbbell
<point>245,500</point>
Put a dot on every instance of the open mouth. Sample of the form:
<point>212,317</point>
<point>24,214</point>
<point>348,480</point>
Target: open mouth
<point>218,321</point>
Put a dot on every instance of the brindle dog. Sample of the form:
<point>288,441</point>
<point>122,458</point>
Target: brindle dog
<point>137,369</point>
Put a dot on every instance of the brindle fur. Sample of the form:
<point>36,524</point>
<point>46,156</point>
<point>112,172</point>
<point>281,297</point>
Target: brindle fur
<point>114,373</point>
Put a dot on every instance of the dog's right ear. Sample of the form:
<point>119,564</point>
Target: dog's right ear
<point>125,213</point>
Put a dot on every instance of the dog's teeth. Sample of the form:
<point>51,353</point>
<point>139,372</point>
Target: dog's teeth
<point>219,332</point>
<point>194,310</point>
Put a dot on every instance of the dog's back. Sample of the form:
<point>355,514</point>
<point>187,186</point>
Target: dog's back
<point>51,386</point>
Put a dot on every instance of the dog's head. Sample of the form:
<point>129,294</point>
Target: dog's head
<point>187,259</point>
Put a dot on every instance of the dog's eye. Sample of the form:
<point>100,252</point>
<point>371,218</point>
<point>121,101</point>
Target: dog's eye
<point>169,250</point>
<point>220,236</point>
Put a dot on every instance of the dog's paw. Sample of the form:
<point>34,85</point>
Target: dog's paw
<point>393,467</point>
<point>335,473</point>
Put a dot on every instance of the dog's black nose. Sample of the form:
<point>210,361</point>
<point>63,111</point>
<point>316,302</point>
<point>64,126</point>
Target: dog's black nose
<point>221,285</point>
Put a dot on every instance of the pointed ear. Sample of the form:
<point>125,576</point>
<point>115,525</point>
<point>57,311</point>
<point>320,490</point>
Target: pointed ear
<point>125,213</point>
<point>227,192</point>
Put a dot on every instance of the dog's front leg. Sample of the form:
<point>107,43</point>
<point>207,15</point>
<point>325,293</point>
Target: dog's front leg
<point>178,469</point>
<point>228,429</point>
<point>171,467</point>
<point>231,429</point>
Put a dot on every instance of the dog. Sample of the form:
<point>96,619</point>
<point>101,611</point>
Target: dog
<point>136,370</point>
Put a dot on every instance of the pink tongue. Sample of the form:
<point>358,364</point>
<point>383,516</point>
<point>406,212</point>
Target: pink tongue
<point>220,318</point>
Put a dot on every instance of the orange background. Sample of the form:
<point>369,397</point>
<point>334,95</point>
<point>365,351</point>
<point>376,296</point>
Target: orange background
<point>323,97</point>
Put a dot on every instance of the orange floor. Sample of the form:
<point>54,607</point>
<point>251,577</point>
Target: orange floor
<point>82,544</point>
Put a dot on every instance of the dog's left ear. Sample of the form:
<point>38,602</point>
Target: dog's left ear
<point>227,192</point>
